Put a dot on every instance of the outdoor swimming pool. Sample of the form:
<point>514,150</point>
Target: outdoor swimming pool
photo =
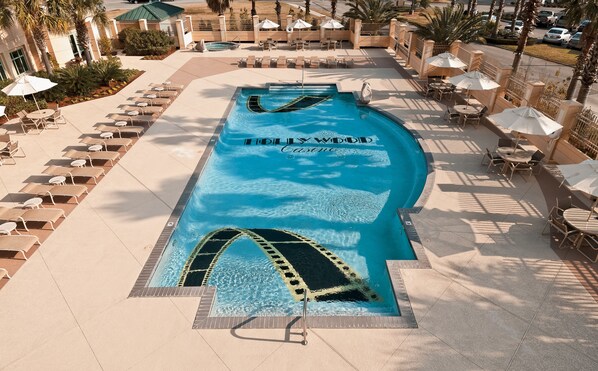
<point>300,191</point>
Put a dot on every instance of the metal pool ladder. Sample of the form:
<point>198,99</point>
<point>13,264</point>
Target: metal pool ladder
<point>304,317</point>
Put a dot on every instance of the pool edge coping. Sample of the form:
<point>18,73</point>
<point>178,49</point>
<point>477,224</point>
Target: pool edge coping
<point>406,319</point>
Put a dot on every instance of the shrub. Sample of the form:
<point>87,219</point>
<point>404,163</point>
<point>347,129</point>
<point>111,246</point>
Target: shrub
<point>124,35</point>
<point>77,80</point>
<point>107,70</point>
<point>15,104</point>
<point>55,94</point>
<point>151,42</point>
<point>105,45</point>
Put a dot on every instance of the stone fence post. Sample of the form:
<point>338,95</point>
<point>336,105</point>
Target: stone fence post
<point>256,30</point>
<point>427,51</point>
<point>533,92</point>
<point>567,116</point>
<point>454,47</point>
<point>477,56</point>
<point>502,78</point>
<point>222,23</point>
<point>357,34</point>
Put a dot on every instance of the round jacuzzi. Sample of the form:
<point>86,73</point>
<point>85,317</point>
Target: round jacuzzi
<point>215,46</point>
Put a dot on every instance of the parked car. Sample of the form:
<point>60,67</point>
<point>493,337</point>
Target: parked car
<point>485,18</point>
<point>518,26</point>
<point>557,35</point>
<point>565,22</point>
<point>583,25</point>
<point>546,18</point>
<point>575,41</point>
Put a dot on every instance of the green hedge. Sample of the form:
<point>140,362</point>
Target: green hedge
<point>151,42</point>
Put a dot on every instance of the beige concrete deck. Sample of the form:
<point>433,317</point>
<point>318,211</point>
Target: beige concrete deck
<point>497,296</point>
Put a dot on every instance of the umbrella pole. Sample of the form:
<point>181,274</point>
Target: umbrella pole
<point>592,208</point>
<point>35,100</point>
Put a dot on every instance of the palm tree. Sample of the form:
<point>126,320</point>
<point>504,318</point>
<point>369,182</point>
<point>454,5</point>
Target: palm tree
<point>306,8</point>
<point>501,7</point>
<point>530,11</point>
<point>589,73</point>
<point>6,18</point>
<point>371,11</point>
<point>491,11</point>
<point>447,25</point>
<point>277,10</point>
<point>516,13</point>
<point>35,17</point>
<point>78,11</point>
<point>333,8</point>
<point>577,10</point>
<point>218,6</point>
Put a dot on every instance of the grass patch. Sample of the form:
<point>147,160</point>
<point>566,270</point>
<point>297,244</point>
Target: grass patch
<point>548,52</point>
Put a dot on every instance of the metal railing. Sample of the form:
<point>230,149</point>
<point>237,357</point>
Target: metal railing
<point>584,133</point>
<point>304,317</point>
<point>549,105</point>
<point>489,69</point>
<point>515,90</point>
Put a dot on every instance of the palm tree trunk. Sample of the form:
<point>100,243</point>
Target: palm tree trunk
<point>589,74</point>
<point>581,61</point>
<point>474,7</point>
<point>491,11</point>
<point>277,10</point>
<point>83,40</point>
<point>516,13</point>
<point>531,9</point>
<point>39,39</point>
<point>306,8</point>
<point>333,8</point>
<point>501,6</point>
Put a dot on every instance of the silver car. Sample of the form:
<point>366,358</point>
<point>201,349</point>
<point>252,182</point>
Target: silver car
<point>557,35</point>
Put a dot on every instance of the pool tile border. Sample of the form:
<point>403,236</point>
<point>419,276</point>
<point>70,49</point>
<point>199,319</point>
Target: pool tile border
<point>207,294</point>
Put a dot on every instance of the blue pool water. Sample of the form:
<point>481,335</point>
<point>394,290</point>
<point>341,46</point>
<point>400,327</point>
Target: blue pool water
<point>301,190</point>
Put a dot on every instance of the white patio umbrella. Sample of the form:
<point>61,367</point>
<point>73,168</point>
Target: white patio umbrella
<point>331,24</point>
<point>474,80</point>
<point>268,24</point>
<point>445,60</point>
<point>526,120</point>
<point>300,24</point>
<point>583,177</point>
<point>28,85</point>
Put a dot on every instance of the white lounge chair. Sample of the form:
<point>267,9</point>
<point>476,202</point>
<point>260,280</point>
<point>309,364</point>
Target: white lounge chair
<point>108,142</point>
<point>45,215</point>
<point>18,243</point>
<point>42,190</point>
<point>110,156</point>
<point>138,130</point>
<point>72,172</point>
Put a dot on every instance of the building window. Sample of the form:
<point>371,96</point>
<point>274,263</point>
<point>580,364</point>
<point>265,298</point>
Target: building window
<point>2,72</point>
<point>75,46</point>
<point>19,61</point>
